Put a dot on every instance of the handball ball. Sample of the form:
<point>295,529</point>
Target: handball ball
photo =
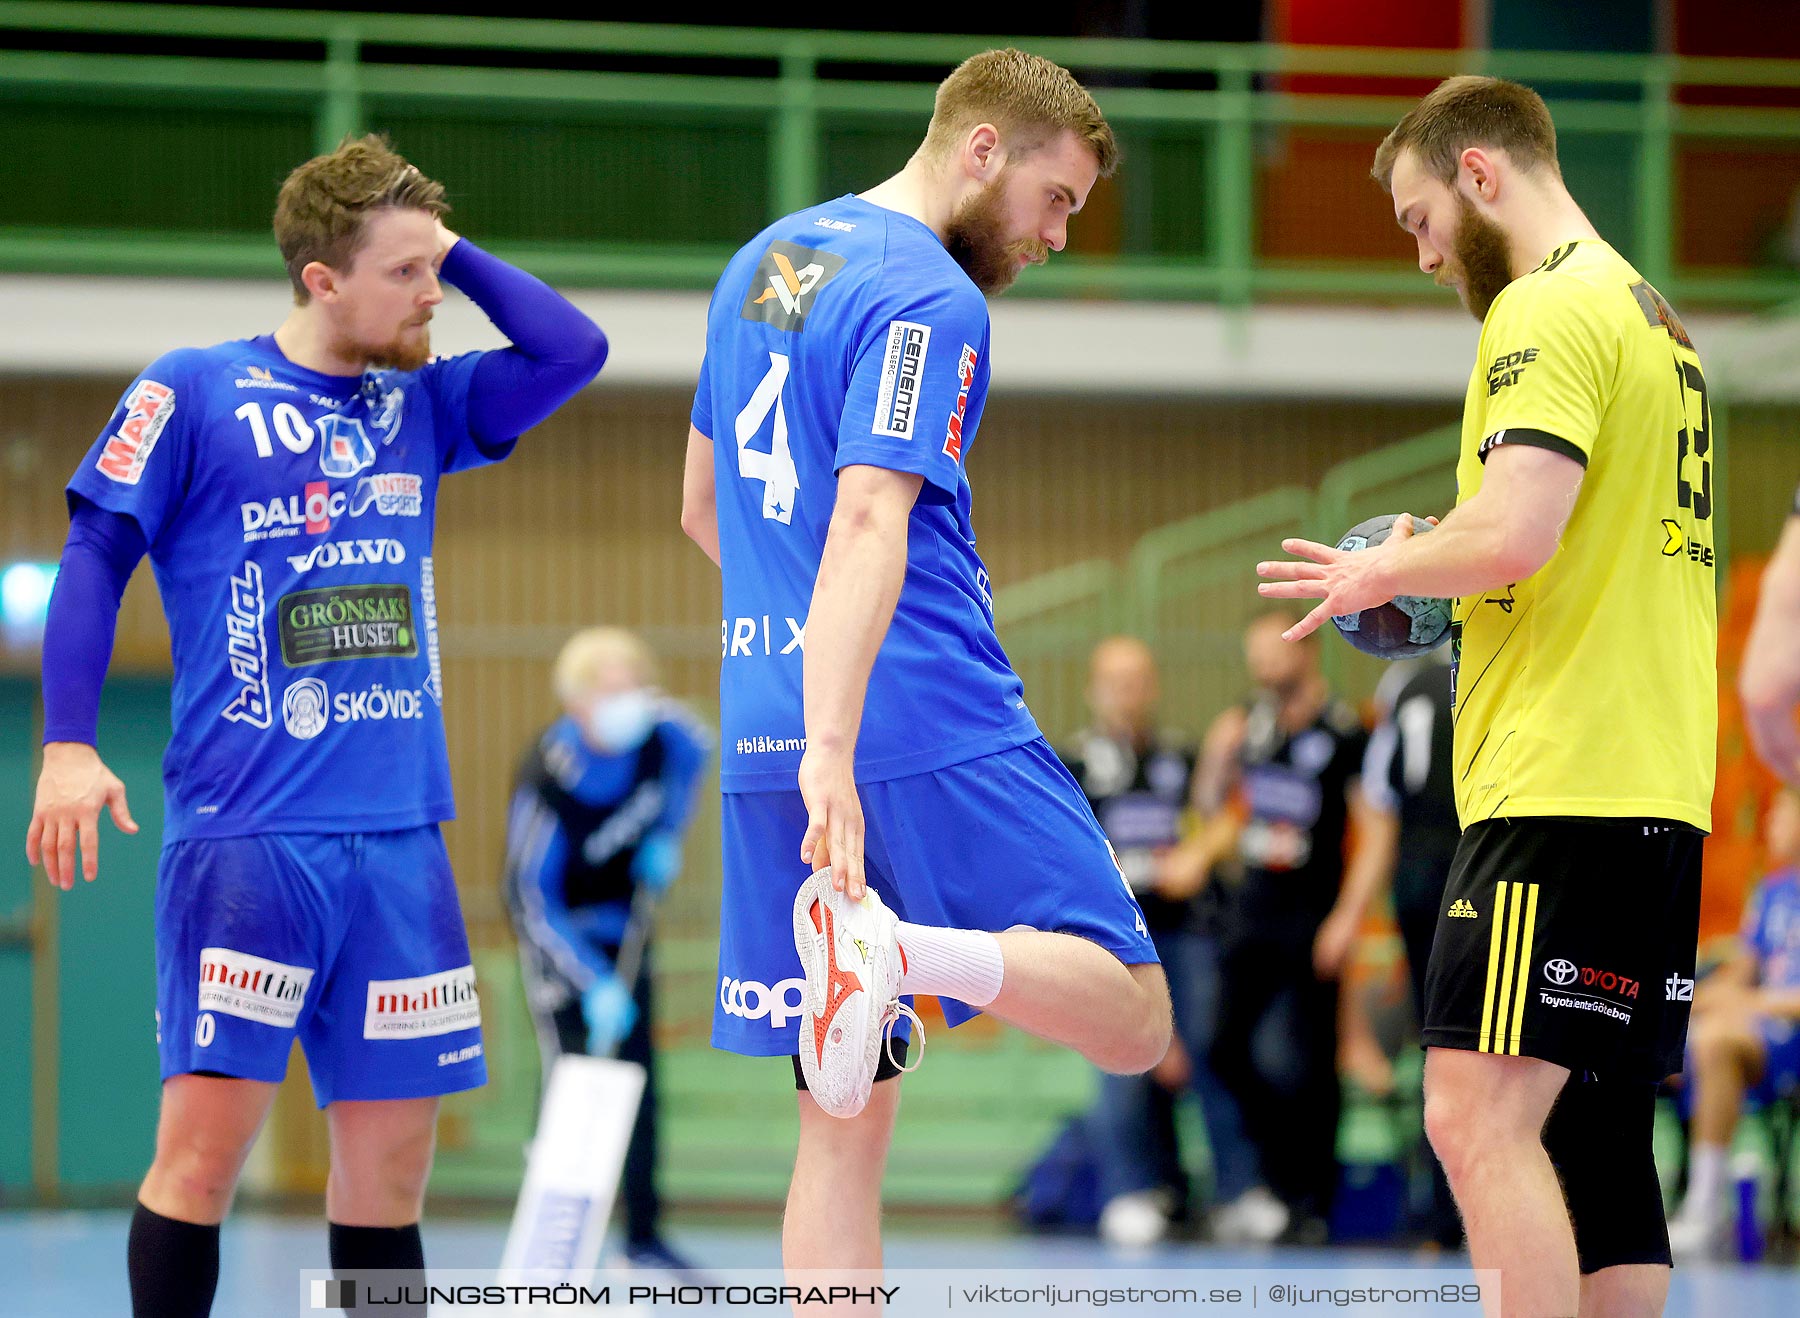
<point>1409,625</point>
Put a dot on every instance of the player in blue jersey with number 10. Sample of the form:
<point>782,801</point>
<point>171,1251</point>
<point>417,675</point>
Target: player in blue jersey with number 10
<point>872,727</point>
<point>285,489</point>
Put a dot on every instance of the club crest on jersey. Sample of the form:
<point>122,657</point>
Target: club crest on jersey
<point>344,447</point>
<point>787,280</point>
<point>148,408</point>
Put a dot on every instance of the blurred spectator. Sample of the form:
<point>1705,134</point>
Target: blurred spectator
<point>1769,679</point>
<point>1294,752</point>
<point>1745,1036</point>
<point>593,842</point>
<point>1407,837</point>
<point>1139,782</point>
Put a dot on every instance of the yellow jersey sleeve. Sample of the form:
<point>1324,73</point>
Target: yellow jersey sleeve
<point>1551,358</point>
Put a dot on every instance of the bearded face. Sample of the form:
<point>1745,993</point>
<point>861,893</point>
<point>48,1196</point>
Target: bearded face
<point>1482,258</point>
<point>407,350</point>
<point>987,244</point>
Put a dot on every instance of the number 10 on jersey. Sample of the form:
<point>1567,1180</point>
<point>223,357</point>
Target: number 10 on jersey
<point>775,469</point>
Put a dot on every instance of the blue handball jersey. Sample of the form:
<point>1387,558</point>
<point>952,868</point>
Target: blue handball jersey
<point>289,517</point>
<point>846,335</point>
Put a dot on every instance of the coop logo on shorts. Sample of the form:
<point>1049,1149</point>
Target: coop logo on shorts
<point>786,282</point>
<point>251,988</point>
<point>392,493</point>
<point>148,408</point>
<point>415,1008</point>
<point>246,651</point>
<point>304,708</point>
<point>902,372</point>
<point>751,1001</point>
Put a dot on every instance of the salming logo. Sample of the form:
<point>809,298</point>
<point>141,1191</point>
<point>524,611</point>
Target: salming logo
<point>1462,909</point>
<point>1509,958</point>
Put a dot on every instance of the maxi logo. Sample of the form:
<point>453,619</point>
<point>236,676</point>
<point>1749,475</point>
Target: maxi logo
<point>346,622</point>
<point>751,1001</point>
<point>749,636</point>
<point>348,553</point>
<point>246,652</point>
<point>965,376</point>
<point>148,408</point>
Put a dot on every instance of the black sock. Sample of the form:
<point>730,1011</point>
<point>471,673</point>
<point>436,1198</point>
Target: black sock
<point>174,1266</point>
<point>357,1249</point>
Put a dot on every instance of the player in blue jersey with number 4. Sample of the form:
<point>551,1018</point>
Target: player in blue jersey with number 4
<point>285,489</point>
<point>873,731</point>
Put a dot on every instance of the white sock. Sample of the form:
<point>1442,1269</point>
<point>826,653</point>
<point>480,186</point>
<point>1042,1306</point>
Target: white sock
<point>1706,1182</point>
<point>964,964</point>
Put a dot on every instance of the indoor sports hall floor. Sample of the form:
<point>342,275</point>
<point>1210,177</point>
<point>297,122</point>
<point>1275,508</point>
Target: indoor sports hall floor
<point>72,1263</point>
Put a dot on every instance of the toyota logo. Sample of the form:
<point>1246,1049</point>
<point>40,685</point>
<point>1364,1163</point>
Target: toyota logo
<point>1560,971</point>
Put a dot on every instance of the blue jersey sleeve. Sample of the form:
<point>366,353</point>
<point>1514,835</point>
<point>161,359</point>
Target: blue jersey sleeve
<point>917,382</point>
<point>140,465</point>
<point>701,416</point>
<point>447,380</point>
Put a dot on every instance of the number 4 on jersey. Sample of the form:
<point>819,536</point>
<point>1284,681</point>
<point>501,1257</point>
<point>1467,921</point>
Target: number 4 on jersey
<point>775,469</point>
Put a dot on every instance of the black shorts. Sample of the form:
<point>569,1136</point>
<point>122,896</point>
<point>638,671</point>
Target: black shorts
<point>1570,940</point>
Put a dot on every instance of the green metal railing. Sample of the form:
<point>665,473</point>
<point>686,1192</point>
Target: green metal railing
<point>788,91</point>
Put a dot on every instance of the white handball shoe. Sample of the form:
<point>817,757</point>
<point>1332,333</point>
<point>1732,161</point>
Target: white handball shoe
<point>851,955</point>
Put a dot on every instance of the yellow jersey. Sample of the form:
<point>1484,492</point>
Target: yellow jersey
<point>1590,689</point>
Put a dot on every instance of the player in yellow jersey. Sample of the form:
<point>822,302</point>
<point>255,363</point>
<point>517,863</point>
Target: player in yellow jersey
<point>1580,555</point>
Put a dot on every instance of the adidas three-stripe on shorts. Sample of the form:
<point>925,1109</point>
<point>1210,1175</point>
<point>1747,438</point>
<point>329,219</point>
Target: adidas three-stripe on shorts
<point>1569,940</point>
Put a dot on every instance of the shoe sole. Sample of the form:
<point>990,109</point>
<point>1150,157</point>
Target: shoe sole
<point>805,934</point>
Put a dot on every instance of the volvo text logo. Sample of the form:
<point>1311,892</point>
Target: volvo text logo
<point>753,1001</point>
<point>1560,971</point>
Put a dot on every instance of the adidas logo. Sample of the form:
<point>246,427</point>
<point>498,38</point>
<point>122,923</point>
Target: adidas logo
<point>1460,909</point>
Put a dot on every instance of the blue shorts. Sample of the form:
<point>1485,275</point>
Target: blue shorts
<point>1004,840</point>
<point>352,942</point>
